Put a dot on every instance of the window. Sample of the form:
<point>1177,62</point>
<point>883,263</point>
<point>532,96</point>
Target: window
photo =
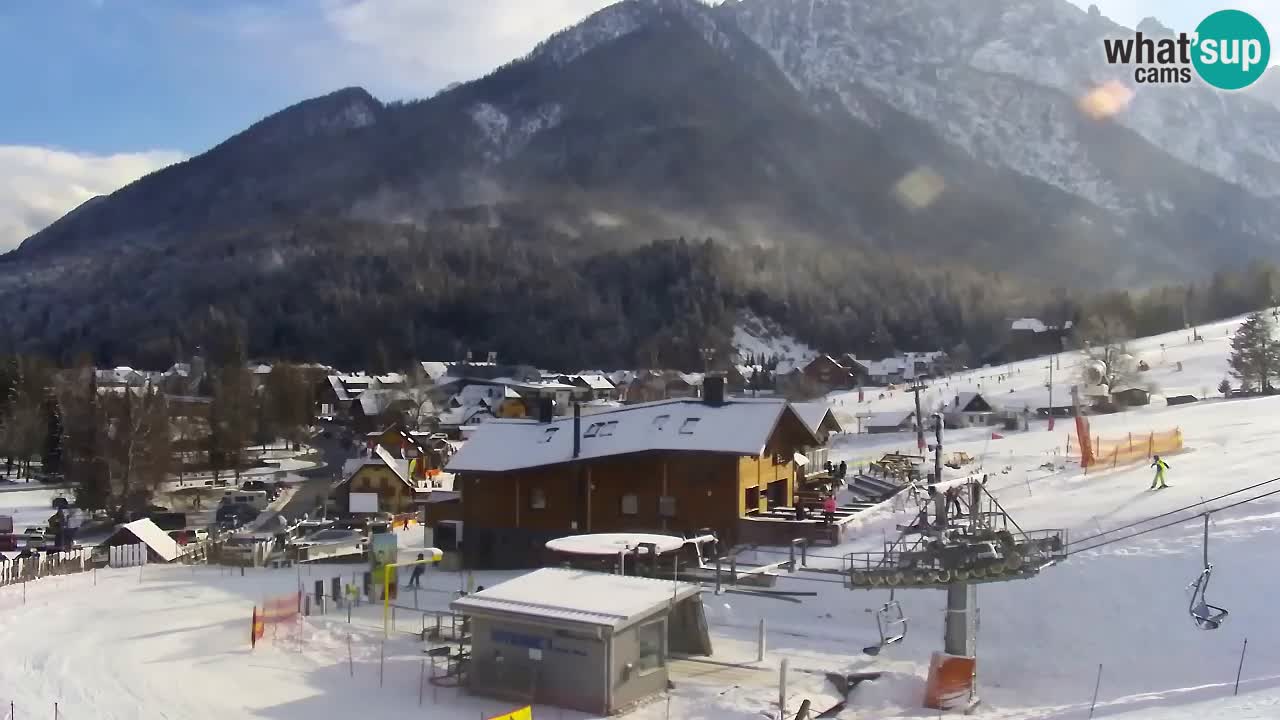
<point>592,430</point>
<point>537,498</point>
<point>660,421</point>
<point>607,428</point>
<point>667,506</point>
<point>548,434</point>
<point>630,504</point>
<point>652,638</point>
<point>689,425</point>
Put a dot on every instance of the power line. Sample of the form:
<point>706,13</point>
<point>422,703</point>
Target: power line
<point>1091,538</point>
<point>1170,524</point>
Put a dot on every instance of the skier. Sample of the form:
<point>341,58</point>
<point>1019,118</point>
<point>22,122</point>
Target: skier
<point>1160,465</point>
<point>829,509</point>
<point>415,579</point>
<point>844,469</point>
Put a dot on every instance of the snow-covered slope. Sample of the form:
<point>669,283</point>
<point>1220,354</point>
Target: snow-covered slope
<point>756,338</point>
<point>170,642</point>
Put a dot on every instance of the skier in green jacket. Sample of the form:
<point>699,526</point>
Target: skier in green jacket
<point>1158,483</point>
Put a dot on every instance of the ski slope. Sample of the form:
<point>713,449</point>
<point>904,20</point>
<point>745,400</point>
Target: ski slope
<point>173,642</point>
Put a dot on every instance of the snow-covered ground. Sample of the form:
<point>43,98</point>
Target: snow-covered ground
<point>172,642</point>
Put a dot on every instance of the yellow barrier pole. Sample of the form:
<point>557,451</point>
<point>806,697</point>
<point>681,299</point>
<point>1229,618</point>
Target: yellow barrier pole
<point>434,555</point>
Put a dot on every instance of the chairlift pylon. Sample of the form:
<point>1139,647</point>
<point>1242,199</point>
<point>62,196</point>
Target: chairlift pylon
<point>1206,616</point>
<point>892,624</point>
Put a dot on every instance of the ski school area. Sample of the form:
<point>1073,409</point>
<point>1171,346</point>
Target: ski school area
<point>1079,594</point>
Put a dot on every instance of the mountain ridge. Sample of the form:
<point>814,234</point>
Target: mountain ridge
<point>827,126</point>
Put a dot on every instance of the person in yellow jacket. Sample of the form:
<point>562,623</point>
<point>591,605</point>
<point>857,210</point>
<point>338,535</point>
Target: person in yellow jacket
<point>1160,465</point>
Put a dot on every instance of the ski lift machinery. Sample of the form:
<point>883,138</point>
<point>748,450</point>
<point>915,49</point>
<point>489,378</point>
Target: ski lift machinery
<point>1206,616</point>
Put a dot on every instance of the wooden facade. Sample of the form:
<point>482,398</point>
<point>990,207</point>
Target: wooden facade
<point>509,516</point>
<point>394,494</point>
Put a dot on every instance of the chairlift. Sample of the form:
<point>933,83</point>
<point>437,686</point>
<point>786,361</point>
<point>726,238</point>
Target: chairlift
<point>1206,616</point>
<point>892,624</point>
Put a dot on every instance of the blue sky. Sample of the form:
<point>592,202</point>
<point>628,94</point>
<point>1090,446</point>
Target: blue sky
<point>100,92</point>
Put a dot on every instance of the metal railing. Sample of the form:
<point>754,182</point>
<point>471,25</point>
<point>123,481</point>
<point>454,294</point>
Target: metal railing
<point>933,562</point>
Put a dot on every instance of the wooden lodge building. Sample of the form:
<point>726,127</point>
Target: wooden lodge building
<point>673,466</point>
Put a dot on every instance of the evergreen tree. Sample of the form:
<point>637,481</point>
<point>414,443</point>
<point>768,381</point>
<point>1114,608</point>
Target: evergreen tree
<point>51,457</point>
<point>1255,354</point>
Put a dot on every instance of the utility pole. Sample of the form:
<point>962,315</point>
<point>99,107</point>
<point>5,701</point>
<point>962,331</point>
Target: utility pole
<point>917,387</point>
<point>707,354</point>
<point>937,448</point>
<point>1051,392</point>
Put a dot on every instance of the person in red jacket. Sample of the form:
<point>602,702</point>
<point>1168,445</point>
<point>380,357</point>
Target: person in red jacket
<point>829,509</point>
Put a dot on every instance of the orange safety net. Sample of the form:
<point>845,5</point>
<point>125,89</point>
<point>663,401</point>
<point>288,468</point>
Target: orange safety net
<point>1132,448</point>
<point>274,611</point>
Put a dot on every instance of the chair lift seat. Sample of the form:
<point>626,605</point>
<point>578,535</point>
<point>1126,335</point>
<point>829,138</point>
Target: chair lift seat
<point>1206,616</point>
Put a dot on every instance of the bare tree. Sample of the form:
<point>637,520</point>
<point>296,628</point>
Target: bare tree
<point>1108,360</point>
<point>289,400</point>
<point>420,391</point>
<point>137,445</point>
<point>232,418</point>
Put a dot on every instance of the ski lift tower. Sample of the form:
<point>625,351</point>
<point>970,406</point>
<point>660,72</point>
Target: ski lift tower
<point>961,537</point>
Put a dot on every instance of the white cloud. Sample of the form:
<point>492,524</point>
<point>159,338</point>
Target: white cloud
<point>426,44</point>
<point>39,185</point>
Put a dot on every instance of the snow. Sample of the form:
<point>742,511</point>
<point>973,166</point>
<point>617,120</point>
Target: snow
<point>154,538</point>
<point>28,506</point>
<point>170,641</point>
<point>593,598</point>
<point>613,543</point>
<point>739,426</point>
<point>753,336</point>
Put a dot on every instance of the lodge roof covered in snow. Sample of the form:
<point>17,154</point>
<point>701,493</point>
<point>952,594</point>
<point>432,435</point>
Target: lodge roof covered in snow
<point>737,426</point>
<point>577,596</point>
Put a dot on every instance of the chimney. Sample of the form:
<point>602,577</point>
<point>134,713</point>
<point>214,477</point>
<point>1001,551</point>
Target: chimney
<point>577,429</point>
<point>713,390</point>
<point>546,409</point>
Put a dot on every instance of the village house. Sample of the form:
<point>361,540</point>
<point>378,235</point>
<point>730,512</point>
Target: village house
<point>652,385</point>
<point>671,466</point>
<point>968,409</point>
<point>828,373</point>
<point>1032,337</point>
<point>379,473</point>
<point>890,422</point>
<point>823,424</point>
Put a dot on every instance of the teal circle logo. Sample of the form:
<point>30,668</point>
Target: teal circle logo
<point>1232,49</point>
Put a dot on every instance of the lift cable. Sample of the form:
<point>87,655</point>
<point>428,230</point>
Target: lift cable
<point>1169,524</point>
<point>1192,506</point>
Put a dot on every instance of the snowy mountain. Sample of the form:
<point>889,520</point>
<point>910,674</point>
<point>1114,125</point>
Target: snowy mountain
<point>925,134</point>
<point>1001,79</point>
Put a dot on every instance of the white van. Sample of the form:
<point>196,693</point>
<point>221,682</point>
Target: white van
<point>256,499</point>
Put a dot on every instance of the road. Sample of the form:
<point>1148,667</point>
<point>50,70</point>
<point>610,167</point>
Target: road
<point>313,489</point>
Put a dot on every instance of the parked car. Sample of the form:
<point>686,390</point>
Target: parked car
<point>186,536</point>
<point>36,537</point>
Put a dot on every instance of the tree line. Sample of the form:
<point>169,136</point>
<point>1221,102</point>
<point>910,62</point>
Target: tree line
<point>118,444</point>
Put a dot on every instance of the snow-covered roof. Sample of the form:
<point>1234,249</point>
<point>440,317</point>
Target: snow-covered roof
<point>813,414</point>
<point>339,389</point>
<point>434,370</point>
<point>374,402</point>
<point>153,537</point>
<point>1031,324</point>
<point>888,366</point>
<point>889,419</point>
<point>961,401</point>
<point>577,596</point>
<point>260,369</point>
<point>597,382</point>
<point>736,427</point>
